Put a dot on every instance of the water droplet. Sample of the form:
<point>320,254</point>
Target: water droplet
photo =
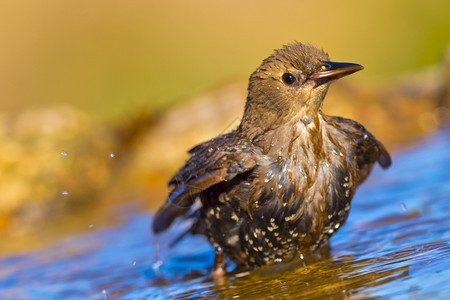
<point>242,274</point>
<point>157,264</point>
<point>279,158</point>
<point>403,205</point>
<point>91,226</point>
<point>111,155</point>
<point>336,151</point>
<point>64,153</point>
<point>301,256</point>
<point>307,119</point>
<point>270,174</point>
<point>134,263</point>
<point>65,193</point>
<point>218,249</point>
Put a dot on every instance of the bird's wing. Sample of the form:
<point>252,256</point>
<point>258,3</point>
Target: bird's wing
<point>369,149</point>
<point>212,162</point>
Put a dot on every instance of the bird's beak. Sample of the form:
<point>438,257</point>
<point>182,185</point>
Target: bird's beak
<point>334,70</point>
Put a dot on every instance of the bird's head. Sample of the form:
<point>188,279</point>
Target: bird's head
<point>290,83</point>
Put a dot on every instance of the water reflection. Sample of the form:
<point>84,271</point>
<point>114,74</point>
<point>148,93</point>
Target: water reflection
<point>395,243</point>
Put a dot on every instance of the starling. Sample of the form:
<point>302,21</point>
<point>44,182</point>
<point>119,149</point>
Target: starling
<point>279,185</point>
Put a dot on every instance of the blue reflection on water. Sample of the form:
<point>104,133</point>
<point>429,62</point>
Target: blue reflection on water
<point>399,222</point>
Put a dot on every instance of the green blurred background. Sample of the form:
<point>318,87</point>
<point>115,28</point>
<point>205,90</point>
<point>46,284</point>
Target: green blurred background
<point>113,57</point>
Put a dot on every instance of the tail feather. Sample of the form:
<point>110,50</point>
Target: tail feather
<point>166,215</point>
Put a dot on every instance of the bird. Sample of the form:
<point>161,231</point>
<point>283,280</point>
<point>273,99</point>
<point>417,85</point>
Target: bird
<point>279,185</point>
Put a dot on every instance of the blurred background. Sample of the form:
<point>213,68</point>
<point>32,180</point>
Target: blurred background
<point>100,100</point>
<point>110,58</point>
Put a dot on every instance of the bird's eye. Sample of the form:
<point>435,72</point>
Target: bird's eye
<point>288,78</point>
<point>324,67</point>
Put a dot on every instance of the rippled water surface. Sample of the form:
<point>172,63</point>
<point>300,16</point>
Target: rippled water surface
<point>395,244</point>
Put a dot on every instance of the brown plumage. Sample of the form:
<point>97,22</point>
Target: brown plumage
<point>280,184</point>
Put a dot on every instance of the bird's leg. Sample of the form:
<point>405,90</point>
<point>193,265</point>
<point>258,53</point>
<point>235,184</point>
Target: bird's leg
<point>325,251</point>
<point>219,264</point>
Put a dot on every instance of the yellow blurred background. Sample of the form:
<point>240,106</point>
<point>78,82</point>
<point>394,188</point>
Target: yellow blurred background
<point>113,57</point>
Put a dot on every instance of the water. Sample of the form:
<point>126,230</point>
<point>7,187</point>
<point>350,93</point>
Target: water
<point>395,244</point>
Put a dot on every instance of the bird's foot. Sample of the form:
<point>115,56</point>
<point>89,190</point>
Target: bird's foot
<point>219,267</point>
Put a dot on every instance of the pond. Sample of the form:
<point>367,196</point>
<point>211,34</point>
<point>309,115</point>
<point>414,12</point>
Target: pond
<point>395,244</point>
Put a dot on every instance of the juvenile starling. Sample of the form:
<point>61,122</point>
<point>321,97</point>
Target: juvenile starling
<point>279,185</point>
